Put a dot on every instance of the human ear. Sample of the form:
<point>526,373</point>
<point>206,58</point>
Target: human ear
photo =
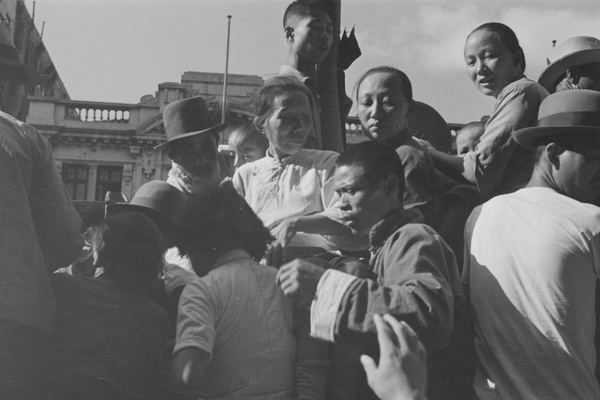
<point>258,125</point>
<point>289,33</point>
<point>390,185</point>
<point>552,153</point>
<point>411,108</point>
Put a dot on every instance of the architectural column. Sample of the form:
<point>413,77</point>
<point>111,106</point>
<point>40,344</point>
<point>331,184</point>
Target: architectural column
<point>91,184</point>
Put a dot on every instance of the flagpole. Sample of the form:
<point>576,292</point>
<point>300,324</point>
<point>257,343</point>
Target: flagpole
<point>224,105</point>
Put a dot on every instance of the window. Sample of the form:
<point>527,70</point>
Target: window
<point>75,177</point>
<point>109,178</point>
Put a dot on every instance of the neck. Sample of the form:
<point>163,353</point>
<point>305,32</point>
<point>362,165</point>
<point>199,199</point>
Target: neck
<point>304,66</point>
<point>542,177</point>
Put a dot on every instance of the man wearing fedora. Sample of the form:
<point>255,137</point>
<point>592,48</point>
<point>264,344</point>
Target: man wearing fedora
<point>192,145</point>
<point>39,233</point>
<point>573,64</point>
<point>532,261</point>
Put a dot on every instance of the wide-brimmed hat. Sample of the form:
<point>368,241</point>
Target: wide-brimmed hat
<point>572,52</point>
<point>9,57</point>
<point>187,117</point>
<point>426,123</point>
<point>568,111</point>
<point>162,202</point>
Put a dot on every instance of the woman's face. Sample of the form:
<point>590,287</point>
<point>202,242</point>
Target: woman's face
<point>383,109</point>
<point>490,65</point>
<point>288,124</point>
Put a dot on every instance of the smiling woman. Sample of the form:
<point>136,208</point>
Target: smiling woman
<point>495,63</point>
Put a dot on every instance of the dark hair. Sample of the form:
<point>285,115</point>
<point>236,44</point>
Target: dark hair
<point>576,142</point>
<point>217,220</point>
<point>303,8</point>
<point>507,37</point>
<point>378,160</point>
<point>249,131</point>
<point>396,73</point>
<point>274,87</point>
<point>129,247</point>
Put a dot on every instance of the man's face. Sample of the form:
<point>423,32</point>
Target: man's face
<point>12,91</point>
<point>363,204</point>
<point>196,155</point>
<point>590,77</point>
<point>313,36</point>
<point>579,174</point>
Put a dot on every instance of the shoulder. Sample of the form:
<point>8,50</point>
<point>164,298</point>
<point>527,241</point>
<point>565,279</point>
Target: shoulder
<point>319,158</point>
<point>525,87</point>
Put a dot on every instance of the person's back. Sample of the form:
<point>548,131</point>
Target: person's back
<point>241,317</point>
<point>536,293</point>
<point>111,341</point>
<point>533,259</point>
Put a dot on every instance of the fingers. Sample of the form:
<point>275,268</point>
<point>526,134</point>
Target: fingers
<point>287,279</point>
<point>369,365</point>
<point>274,256</point>
<point>407,338</point>
<point>384,335</point>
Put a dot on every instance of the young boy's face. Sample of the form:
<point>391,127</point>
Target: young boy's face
<point>244,150</point>
<point>313,36</point>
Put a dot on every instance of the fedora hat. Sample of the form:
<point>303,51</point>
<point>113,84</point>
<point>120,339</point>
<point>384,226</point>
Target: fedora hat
<point>572,52</point>
<point>186,118</point>
<point>160,201</point>
<point>9,58</point>
<point>569,111</point>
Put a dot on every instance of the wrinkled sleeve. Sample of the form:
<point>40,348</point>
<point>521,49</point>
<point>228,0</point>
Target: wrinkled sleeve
<point>56,222</point>
<point>515,109</point>
<point>418,176</point>
<point>413,287</point>
<point>196,317</point>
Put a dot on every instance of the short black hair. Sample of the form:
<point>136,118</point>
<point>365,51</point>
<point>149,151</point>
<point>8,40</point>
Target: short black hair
<point>129,247</point>
<point>576,142</point>
<point>303,8</point>
<point>217,220</point>
<point>378,160</point>
<point>396,73</point>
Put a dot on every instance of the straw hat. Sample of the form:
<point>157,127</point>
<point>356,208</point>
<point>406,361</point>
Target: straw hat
<point>572,52</point>
<point>568,111</point>
<point>186,118</point>
<point>426,123</point>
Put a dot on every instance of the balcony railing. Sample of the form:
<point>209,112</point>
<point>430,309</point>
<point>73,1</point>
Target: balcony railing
<point>96,114</point>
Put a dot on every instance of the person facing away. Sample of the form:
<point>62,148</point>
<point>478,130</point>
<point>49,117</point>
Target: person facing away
<point>467,138</point>
<point>246,144</point>
<point>573,64</point>
<point>495,63</point>
<point>234,329</point>
<point>39,233</point>
<point>532,259</point>
<point>309,35</point>
<point>112,338</point>
<point>414,273</point>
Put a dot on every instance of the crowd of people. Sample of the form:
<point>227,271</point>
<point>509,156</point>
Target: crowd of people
<point>279,270</point>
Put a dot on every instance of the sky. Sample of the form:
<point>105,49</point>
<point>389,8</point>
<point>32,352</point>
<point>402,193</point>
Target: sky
<point>120,50</point>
